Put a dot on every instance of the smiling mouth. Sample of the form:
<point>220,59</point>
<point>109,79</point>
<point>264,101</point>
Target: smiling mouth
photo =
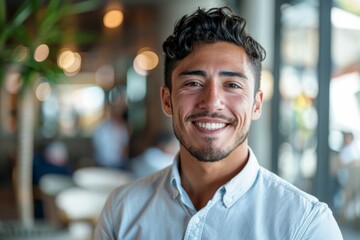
<point>210,126</point>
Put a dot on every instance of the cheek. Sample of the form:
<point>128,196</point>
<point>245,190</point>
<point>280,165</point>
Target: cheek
<point>241,107</point>
<point>240,103</point>
<point>184,103</point>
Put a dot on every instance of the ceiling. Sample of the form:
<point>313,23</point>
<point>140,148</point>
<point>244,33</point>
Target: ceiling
<point>117,46</point>
<point>146,23</point>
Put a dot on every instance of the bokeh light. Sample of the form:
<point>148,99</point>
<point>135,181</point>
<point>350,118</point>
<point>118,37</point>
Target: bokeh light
<point>145,61</point>
<point>69,61</point>
<point>66,58</point>
<point>75,67</point>
<point>43,91</point>
<point>41,53</point>
<point>267,84</point>
<point>113,18</point>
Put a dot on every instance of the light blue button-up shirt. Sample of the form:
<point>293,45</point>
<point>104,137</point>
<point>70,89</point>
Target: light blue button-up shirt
<point>255,204</point>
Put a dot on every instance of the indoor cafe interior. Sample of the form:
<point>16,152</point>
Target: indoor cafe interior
<point>80,120</point>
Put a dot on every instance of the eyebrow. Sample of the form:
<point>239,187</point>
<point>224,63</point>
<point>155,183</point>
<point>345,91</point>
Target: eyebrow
<point>233,74</point>
<point>193,73</point>
<point>222,73</point>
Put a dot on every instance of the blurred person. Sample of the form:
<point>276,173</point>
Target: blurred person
<point>111,137</point>
<point>53,157</point>
<point>349,164</point>
<point>49,158</point>
<point>215,189</point>
<point>350,151</point>
<point>156,157</point>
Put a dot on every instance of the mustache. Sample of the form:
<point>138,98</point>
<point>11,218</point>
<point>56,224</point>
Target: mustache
<point>210,115</point>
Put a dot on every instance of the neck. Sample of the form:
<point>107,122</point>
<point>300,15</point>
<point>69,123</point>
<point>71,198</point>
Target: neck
<point>202,179</point>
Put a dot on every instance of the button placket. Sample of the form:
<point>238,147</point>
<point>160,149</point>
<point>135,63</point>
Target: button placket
<point>196,219</point>
<point>197,222</point>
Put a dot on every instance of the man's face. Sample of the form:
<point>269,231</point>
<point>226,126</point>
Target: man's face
<point>212,101</point>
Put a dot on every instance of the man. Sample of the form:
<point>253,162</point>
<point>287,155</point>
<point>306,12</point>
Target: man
<point>215,189</point>
<point>111,137</point>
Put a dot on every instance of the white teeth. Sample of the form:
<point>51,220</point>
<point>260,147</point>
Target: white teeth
<point>210,126</point>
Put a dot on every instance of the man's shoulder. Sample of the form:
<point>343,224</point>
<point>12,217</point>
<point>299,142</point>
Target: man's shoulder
<point>282,189</point>
<point>301,214</point>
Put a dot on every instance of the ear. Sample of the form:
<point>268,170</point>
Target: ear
<point>256,113</point>
<point>166,101</point>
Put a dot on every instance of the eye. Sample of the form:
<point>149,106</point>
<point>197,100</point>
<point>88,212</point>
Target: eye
<point>192,84</point>
<point>233,85</point>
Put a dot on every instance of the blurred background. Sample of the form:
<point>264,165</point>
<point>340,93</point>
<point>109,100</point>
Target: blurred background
<point>80,109</point>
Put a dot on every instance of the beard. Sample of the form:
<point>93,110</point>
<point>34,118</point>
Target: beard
<point>210,153</point>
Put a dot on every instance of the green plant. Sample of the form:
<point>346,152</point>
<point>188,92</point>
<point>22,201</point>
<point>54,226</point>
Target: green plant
<point>35,22</point>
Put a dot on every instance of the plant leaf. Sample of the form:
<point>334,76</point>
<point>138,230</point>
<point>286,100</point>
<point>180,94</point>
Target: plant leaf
<point>2,13</point>
<point>21,15</point>
<point>83,6</point>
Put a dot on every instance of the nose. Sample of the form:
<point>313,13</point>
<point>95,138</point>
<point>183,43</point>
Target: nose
<point>212,98</point>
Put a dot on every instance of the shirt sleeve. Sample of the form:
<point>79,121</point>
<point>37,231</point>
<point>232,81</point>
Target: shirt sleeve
<point>105,227</point>
<point>321,224</point>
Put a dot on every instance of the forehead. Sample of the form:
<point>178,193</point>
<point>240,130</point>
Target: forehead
<point>215,57</point>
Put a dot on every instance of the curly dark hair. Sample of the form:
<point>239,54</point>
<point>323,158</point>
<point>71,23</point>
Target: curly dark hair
<point>215,24</point>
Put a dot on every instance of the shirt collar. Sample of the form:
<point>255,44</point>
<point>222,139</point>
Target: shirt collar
<point>242,182</point>
<point>175,178</point>
<point>177,189</point>
<point>231,191</point>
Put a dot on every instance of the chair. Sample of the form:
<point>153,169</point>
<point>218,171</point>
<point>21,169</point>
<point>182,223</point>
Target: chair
<point>82,204</point>
<point>79,209</point>
<point>100,178</point>
<point>77,204</point>
<point>50,186</point>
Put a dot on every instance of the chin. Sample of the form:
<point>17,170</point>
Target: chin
<point>209,154</point>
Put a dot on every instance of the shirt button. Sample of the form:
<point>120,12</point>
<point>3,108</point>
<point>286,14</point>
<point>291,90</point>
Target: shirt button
<point>196,219</point>
<point>229,199</point>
